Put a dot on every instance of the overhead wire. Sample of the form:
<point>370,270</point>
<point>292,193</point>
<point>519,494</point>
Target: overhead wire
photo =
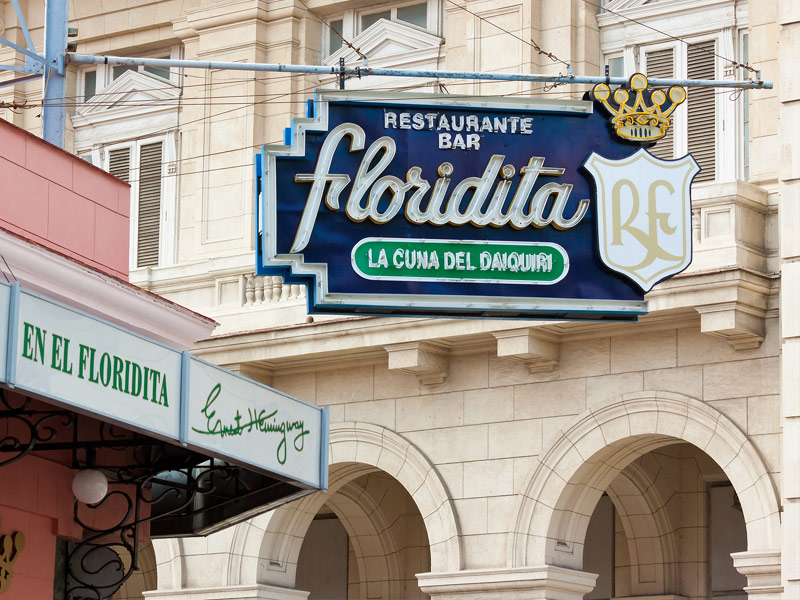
<point>272,98</point>
<point>531,43</point>
<point>255,146</point>
<point>277,99</point>
<point>79,97</point>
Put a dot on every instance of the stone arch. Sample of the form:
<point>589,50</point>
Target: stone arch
<point>265,549</point>
<point>371,539</point>
<point>641,508</point>
<point>598,444</point>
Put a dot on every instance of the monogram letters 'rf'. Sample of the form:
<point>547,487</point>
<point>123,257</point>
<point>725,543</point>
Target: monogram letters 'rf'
<point>644,215</point>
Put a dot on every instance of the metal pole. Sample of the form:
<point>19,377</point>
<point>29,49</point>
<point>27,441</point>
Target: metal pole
<point>338,71</point>
<point>54,80</point>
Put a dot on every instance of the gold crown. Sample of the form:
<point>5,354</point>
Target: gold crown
<point>647,117</point>
<point>10,548</point>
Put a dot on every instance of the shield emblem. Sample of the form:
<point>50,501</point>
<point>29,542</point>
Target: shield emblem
<point>644,215</point>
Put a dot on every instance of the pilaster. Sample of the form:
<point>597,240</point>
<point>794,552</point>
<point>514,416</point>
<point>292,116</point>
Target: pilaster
<point>787,50</point>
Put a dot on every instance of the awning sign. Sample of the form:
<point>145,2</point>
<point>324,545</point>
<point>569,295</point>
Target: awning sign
<point>92,365</point>
<point>420,204</point>
<point>68,357</point>
<point>259,426</point>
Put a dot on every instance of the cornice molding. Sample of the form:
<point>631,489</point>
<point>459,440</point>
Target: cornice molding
<point>701,300</point>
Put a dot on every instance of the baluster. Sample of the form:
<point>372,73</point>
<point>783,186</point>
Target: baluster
<point>276,288</point>
<point>285,289</point>
<point>269,292</point>
<point>249,290</point>
<point>259,299</point>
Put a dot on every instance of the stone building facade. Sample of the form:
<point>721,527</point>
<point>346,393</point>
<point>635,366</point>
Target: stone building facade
<point>479,458</point>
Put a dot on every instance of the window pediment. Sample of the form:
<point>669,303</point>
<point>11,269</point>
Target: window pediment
<point>128,95</point>
<point>390,42</point>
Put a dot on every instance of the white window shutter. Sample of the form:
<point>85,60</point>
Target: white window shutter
<point>701,107</point>
<point>661,65</point>
<point>149,217</point>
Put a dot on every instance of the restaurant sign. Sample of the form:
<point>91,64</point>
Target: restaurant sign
<point>70,358</point>
<point>418,204</point>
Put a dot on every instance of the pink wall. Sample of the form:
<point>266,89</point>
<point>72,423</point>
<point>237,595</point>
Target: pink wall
<point>36,499</point>
<point>62,202</point>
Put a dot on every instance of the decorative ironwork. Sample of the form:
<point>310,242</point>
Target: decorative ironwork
<point>26,428</point>
<point>96,567</point>
<point>173,489</point>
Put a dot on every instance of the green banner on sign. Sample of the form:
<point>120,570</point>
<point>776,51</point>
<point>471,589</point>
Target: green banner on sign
<point>535,263</point>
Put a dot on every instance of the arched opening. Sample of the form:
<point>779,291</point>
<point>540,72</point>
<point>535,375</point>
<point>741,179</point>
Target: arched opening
<point>380,489</point>
<point>388,500</point>
<point>674,488</point>
<point>667,525</point>
<point>367,541</point>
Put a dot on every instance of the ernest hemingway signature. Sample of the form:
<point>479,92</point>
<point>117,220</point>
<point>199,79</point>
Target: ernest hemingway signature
<point>256,421</point>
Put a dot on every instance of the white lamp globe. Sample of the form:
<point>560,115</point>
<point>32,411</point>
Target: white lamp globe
<point>89,486</point>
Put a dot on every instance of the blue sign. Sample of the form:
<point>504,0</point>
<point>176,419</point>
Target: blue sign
<point>432,205</point>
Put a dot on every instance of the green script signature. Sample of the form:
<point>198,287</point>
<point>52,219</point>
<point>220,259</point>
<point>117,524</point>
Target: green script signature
<point>257,421</point>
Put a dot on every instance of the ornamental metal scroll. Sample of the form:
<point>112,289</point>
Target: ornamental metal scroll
<point>174,490</point>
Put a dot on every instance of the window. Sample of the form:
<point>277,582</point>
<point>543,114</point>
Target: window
<point>125,135</point>
<point>89,84</point>
<point>144,165</point>
<point>118,70</point>
<point>697,119</point>
<point>709,125</point>
<point>616,66</point>
<point>353,22</point>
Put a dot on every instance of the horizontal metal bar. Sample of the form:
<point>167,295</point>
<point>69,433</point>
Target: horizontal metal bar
<point>33,55</point>
<point>17,80</point>
<point>19,68</point>
<point>365,71</point>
